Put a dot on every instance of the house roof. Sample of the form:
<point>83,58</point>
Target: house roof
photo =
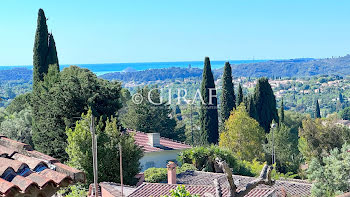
<point>160,189</point>
<point>291,186</point>
<point>141,139</point>
<point>24,170</point>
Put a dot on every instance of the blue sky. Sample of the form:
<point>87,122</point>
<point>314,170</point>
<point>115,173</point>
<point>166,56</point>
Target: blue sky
<point>154,31</point>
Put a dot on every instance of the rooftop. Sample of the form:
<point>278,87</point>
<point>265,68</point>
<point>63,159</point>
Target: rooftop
<point>291,187</point>
<point>142,140</point>
<point>160,189</point>
<point>26,171</point>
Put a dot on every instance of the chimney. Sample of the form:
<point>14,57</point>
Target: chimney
<point>171,166</point>
<point>154,139</point>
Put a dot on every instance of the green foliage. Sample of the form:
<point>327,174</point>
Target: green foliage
<point>40,49</point>
<point>287,154</point>
<point>251,108</point>
<point>317,110</point>
<point>203,157</point>
<point>318,137</point>
<point>109,135</point>
<point>331,176</point>
<point>61,98</point>
<point>152,118</point>
<point>155,175</point>
<point>180,191</point>
<point>20,103</point>
<point>240,95</point>
<point>228,98</point>
<point>73,191</point>
<point>265,104</point>
<point>345,114</point>
<point>18,126</point>
<point>209,112</point>
<point>52,58</point>
<point>282,112</point>
<point>243,135</point>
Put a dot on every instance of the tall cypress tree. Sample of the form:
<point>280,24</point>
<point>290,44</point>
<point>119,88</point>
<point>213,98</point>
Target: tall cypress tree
<point>52,59</point>
<point>40,67</point>
<point>228,98</point>
<point>251,109</point>
<point>239,95</point>
<point>209,112</point>
<point>317,110</point>
<point>282,112</point>
<point>265,104</point>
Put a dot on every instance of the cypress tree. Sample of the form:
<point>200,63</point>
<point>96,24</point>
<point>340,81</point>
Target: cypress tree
<point>239,95</point>
<point>228,98</point>
<point>282,111</point>
<point>209,112</point>
<point>251,109</point>
<point>341,99</point>
<point>265,104</point>
<point>317,110</point>
<point>40,67</point>
<point>52,58</point>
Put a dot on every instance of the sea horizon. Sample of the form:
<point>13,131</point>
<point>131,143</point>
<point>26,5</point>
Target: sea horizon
<point>103,68</point>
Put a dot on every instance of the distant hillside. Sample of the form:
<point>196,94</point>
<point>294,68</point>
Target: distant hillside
<point>294,67</point>
<point>154,74</point>
<point>16,74</point>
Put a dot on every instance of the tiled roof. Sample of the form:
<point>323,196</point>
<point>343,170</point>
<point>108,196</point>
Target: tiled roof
<point>24,170</point>
<point>160,189</point>
<point>292,187</point>
<point>141,139</point>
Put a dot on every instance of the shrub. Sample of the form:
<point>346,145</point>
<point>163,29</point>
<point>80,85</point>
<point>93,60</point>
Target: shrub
<point>155,175</point>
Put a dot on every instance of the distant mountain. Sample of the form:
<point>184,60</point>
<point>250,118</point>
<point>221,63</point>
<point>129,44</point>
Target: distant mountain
<point>294,67</point>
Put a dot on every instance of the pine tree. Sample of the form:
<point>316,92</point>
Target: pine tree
<point>40,67</point>
<point>265,104</point>
<point>228,98</point>
<point>317,110</point>
<point>282,111</point>
<point>52,59</point>
<point>239,95</point>
<point>209,112</point>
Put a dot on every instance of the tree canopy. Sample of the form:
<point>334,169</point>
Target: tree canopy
<point>228,98</point>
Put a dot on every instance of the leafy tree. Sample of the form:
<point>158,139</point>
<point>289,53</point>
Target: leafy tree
<point>282,112</point>
<point>180,191</point>
<point>109,135</point>
<point>178,113</point>
<point>148,117</point>
<point>52,58</point>
<point>243,135</point>
<point>317,110</point>
<point>240,95</point>
<point>286,148</point>
<point>331,177</point>
<point>319,137</point>
<point>345,114</point>
<point>265,103</point>
<point>40,67</point>
<point>20,103</point>
<point>208,113</point>
<point>228,98</point>
<point>341,98</point>
<point>61,98</point>
<point>18,126</point>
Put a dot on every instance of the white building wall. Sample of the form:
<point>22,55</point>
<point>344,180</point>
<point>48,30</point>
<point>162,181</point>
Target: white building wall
<point>158,159</point>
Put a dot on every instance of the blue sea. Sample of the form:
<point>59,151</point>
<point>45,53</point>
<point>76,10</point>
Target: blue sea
<point>100,69</point>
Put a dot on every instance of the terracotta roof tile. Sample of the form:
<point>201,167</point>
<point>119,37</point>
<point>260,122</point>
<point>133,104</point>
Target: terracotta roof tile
<point>6,186</point>
<point>141,139</point>
<point>23,169</point>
